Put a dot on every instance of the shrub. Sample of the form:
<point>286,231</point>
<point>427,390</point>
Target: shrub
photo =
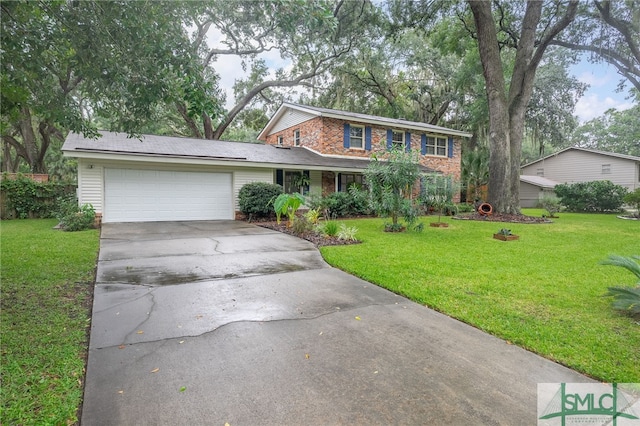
<point>254,198</point>
<point>346,204</point>
<point>330,228</point>
<point>595,196</point>
<point>465,208</point>
<point>74,218</point>
<point>313,216</point>
<point>302,226</point>
<point>633,200</point>
<point>551,204</point>
<point>33,199</point>
<point>347,233</point>
<point>626,299</point>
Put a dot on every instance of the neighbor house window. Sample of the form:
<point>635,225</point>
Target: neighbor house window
<point>296,137</point>
<point>356,137</point>
<point>348,179</point>
<point>540,172</point>
<point>606,169</point>
<point>280,140</point>
<point>436,146</point>
<point>397,139</point>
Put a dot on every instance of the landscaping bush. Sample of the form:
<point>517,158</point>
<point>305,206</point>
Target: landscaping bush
<point>330,228</point>
<point>255,199</point>
<point>347,204</point>
<point>595,196</point>
<point>75,218</point>
<point>633,200</point>
<point>551,204</point>
<point>30,199</point>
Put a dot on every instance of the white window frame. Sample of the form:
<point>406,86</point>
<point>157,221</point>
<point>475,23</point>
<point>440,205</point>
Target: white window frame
<point>434,146</point>
<point>280,140</point>
<point>296,137</point>
<point>360,138</point>
<point>398,143</point>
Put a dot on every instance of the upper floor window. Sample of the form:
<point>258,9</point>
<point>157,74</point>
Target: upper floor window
<point>296,137</point>
<point>356,137</point>
<point>540,172</point>
<point>606,169</point>
<point>280,140</point>
<point>436,146</point>
<point>397,139</point>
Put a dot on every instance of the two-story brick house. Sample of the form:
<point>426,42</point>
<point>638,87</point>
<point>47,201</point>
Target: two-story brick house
<point>341,134</point>
<point>316,150</point>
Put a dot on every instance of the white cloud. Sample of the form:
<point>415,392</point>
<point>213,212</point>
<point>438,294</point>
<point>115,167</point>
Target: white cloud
<point>594,80</point>
<point>591,106</point>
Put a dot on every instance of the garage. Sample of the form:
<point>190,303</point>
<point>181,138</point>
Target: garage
<point>158,195</point>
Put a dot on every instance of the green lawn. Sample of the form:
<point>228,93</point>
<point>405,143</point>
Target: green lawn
<point>47,281</point>
<point>542,292</point>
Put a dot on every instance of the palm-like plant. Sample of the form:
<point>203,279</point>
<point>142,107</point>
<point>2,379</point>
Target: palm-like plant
<point>475,170</point>
<point>626,299</point>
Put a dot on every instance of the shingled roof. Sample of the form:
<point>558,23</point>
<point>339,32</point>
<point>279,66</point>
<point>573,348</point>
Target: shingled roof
<point>357,117</point>
<point>213,151</point>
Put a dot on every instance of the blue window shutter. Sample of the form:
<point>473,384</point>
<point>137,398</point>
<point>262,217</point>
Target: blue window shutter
<point>423,144</point>
<point>339,180</point>
<point>389,138</point>
<point>367,138</point>
<point>347,135</point>
<point>407,141</point>
<point>280,177</point>
<point>450,147</point>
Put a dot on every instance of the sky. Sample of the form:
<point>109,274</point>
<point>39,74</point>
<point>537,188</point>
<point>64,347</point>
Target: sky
<point>601,95</point>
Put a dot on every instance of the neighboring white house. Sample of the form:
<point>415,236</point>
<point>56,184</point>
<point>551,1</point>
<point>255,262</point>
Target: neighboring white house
<point>577,165</point>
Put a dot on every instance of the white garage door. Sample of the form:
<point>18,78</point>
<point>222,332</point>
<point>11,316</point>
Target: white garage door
<point>151,195</point>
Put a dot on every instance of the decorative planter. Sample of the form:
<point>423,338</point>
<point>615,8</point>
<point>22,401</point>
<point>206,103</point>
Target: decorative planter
<point>439,224</point>
<point>503,237</point>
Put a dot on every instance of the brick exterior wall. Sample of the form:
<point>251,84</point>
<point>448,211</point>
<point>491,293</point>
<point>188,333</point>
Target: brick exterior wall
<point>326,135</point>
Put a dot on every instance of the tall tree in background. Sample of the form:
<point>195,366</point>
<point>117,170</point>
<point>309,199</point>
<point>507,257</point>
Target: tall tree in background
<point>313,36</point>
<point>508,103</point>
<point>609,31</point>
<point>65,61</point>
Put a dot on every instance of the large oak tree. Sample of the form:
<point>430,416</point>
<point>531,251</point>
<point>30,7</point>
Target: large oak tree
<point>508,102</point>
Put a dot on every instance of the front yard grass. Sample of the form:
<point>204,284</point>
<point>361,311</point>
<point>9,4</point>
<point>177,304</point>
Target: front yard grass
<point>543,292</point>
<point>47,281</point>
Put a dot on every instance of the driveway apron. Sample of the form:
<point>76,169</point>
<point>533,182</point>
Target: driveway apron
<point>223,322</point>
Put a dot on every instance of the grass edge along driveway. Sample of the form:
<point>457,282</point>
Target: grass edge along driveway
<point>543,292</point>
<point>47,285</point>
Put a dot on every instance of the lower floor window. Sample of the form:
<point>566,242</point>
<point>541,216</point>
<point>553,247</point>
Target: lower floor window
<point>296,182</point>
<point>346,180</point>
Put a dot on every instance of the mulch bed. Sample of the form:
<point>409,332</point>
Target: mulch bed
<point>510,218</point>
<point>317,239</point>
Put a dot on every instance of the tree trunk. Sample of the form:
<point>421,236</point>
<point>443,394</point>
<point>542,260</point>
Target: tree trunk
<point>193,126</point>
<point>499,138</point>
<point>507,115</point>
<point>29,140</point>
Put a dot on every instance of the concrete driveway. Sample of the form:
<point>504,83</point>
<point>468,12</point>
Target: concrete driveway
<point>208,323</point>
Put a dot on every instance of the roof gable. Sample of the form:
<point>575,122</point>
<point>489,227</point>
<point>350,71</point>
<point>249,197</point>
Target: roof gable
<point>592,151</point>
<point>311,111</point>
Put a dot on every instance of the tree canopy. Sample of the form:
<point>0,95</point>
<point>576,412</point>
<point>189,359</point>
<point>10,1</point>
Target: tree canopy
<point>496,69</point>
